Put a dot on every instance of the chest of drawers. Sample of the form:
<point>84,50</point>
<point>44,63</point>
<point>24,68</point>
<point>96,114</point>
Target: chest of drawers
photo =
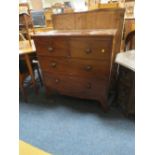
<point>77,63</point>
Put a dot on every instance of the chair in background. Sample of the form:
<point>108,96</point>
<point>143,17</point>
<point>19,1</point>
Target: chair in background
<point>24,72</point>
<point>130,41</point>
<point>25,78</point>
<point>21,37</point>
<point>26,23</point>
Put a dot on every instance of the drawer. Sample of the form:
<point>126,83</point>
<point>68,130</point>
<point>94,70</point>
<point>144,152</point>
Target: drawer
<point>74,86</point>
<point>51,46</point>
<point>75,67</point>
<point>90,48</point>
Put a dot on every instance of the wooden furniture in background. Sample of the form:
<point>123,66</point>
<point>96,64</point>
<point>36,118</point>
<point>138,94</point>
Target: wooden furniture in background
<point>43,29</point>
<point>98,4</point>
<point>126,82</point>
<point>25,49</point>
<point>25,20</point>
<point>125,88</point>
<point>92,4</point>
<point>130,41</point>
<point>24,8</point>
<point>108,5</point>
<point>48,17</point>
<point>129,25</point>
<point>21,37</point>
<point>77,62</point>
<point>26,28</point>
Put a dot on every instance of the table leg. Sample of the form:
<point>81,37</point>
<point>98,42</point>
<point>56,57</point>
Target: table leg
<point>31,72</point>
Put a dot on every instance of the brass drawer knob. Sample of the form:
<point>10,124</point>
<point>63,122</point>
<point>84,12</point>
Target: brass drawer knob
<point>88,50</point>
<point>88,68</point>
<point>102,50</point>
<point>53,64</point>
<point>50,49</point>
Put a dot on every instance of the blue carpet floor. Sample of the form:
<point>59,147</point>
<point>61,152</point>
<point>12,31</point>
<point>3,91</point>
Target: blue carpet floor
<point>67,126</point>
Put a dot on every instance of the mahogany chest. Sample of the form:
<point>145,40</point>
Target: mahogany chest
<point>77,62</point>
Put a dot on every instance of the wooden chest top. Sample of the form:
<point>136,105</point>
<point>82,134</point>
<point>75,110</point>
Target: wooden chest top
<point>98,32</point>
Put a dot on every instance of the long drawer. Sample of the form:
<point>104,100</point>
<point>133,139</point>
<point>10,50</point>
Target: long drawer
<point>90,48</point>
<point>75,86</point>
<point>75,67</point>
<point>52,46</point>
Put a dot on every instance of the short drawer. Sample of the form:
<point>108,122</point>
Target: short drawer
<point>76,67</point>
<point>75,86</point>
<point>90,48</point>
<point>49,46</point>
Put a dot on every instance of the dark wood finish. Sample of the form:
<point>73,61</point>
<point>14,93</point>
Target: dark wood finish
<point>75,67</point>
<point>48,46</point>
<point>75,86</point>
<point>125,87</point>
<point>107,18</point>
<point>112,18</point>
<point>126,90</point>
<point>90,48</point>
<point>83,70</point>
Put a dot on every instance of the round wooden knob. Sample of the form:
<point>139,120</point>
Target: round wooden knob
<point>88,68</point>
<point>53,64</point>
<point>50,49</point>
<point>88,50</point>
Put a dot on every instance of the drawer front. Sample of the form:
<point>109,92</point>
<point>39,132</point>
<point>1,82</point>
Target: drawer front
<point>74,86</point>
<point>90,48</point>
<point>75,67</point>
<point>51,46</point>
